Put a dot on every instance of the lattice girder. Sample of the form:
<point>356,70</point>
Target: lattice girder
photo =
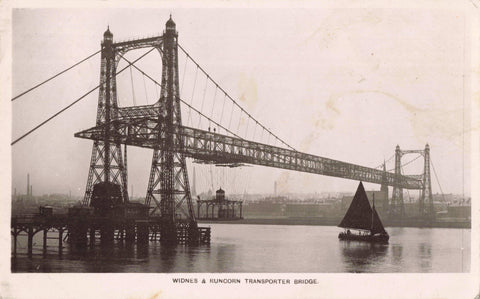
<point>217,148</point>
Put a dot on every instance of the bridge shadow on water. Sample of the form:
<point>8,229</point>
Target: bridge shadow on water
<point>360,256</point>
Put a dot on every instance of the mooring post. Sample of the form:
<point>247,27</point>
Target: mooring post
<point>92,236</point>
<point>30,240</point>
<point>122,232</point>
<point>45,232</point>
<point>193,234</point>
<point>60,240</point>
<point>15,239</point>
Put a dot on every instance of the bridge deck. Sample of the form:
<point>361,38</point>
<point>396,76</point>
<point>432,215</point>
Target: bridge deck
<point>141,128</point>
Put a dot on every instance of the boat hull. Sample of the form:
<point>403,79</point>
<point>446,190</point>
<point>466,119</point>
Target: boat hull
<point>378,238</point>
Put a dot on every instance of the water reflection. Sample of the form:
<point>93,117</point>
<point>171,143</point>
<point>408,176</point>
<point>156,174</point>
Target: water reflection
<point>361,256</point>
<point>425,255</point>
<point>254,248</point>
<point>397,254</point>
<point>223,257</point>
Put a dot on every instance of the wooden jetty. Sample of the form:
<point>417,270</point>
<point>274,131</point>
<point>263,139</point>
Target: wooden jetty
<point>82,228</point>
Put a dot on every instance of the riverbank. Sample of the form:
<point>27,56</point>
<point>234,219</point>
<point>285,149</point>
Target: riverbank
<point>327,221</point>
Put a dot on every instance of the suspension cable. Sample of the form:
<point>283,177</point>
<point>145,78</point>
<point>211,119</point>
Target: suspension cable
<point>203,99</point>
<point>184,72</point>
<point>193,93</point>
<point>223,106</point>
<point>243,110</point>
<point>213,105</point>
<point>208,118</point>
<point>408,193</point>
<point>190,106</point>
<point>183,101</point>
<point>411,161</point>
<point>239,120</point>
<point>436,177</point>
<point>231,114</point>
<point>405,164</point>
<point>74,102</point>
<point>145,87</point>
<point>133,89</point>
<point>58,74</point>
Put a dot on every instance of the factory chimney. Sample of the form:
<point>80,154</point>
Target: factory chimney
<point>28,185</point>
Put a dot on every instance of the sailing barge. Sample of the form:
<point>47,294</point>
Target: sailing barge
<point>363,219</point>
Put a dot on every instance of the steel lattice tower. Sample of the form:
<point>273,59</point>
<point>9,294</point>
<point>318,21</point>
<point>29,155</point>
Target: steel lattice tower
<point>168,187</point>
<point>397,208</point>
<point>106,164</point>
<point>168,184</point>
<point>427,187</point>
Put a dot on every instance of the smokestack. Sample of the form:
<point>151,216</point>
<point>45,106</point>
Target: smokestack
<point>28,184</point>
<point>275,188</point>
<point>31,192</point>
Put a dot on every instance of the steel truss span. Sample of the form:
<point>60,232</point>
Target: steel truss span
<point>139,127</point>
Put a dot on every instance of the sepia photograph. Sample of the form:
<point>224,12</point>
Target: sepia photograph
<point>229,148</point>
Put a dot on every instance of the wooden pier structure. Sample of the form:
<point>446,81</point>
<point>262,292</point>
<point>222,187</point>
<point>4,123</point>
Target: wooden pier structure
<point>81,228</point>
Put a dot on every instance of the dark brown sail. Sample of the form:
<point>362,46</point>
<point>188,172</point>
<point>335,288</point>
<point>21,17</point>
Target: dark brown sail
<point>377,226</point>
<point>360,215</point>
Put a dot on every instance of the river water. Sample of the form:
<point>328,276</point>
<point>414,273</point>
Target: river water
<point>265,248</point>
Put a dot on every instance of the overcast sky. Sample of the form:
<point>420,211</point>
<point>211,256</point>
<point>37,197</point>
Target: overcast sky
<point>347,84</point>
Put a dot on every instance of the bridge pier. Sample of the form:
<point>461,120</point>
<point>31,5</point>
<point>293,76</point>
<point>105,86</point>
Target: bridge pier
<point>78,234</point>
<point>142,232</point>
<point>106,234</point>
<point>130,233</point>
<point>193,235</point>
<point>168,234</point>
